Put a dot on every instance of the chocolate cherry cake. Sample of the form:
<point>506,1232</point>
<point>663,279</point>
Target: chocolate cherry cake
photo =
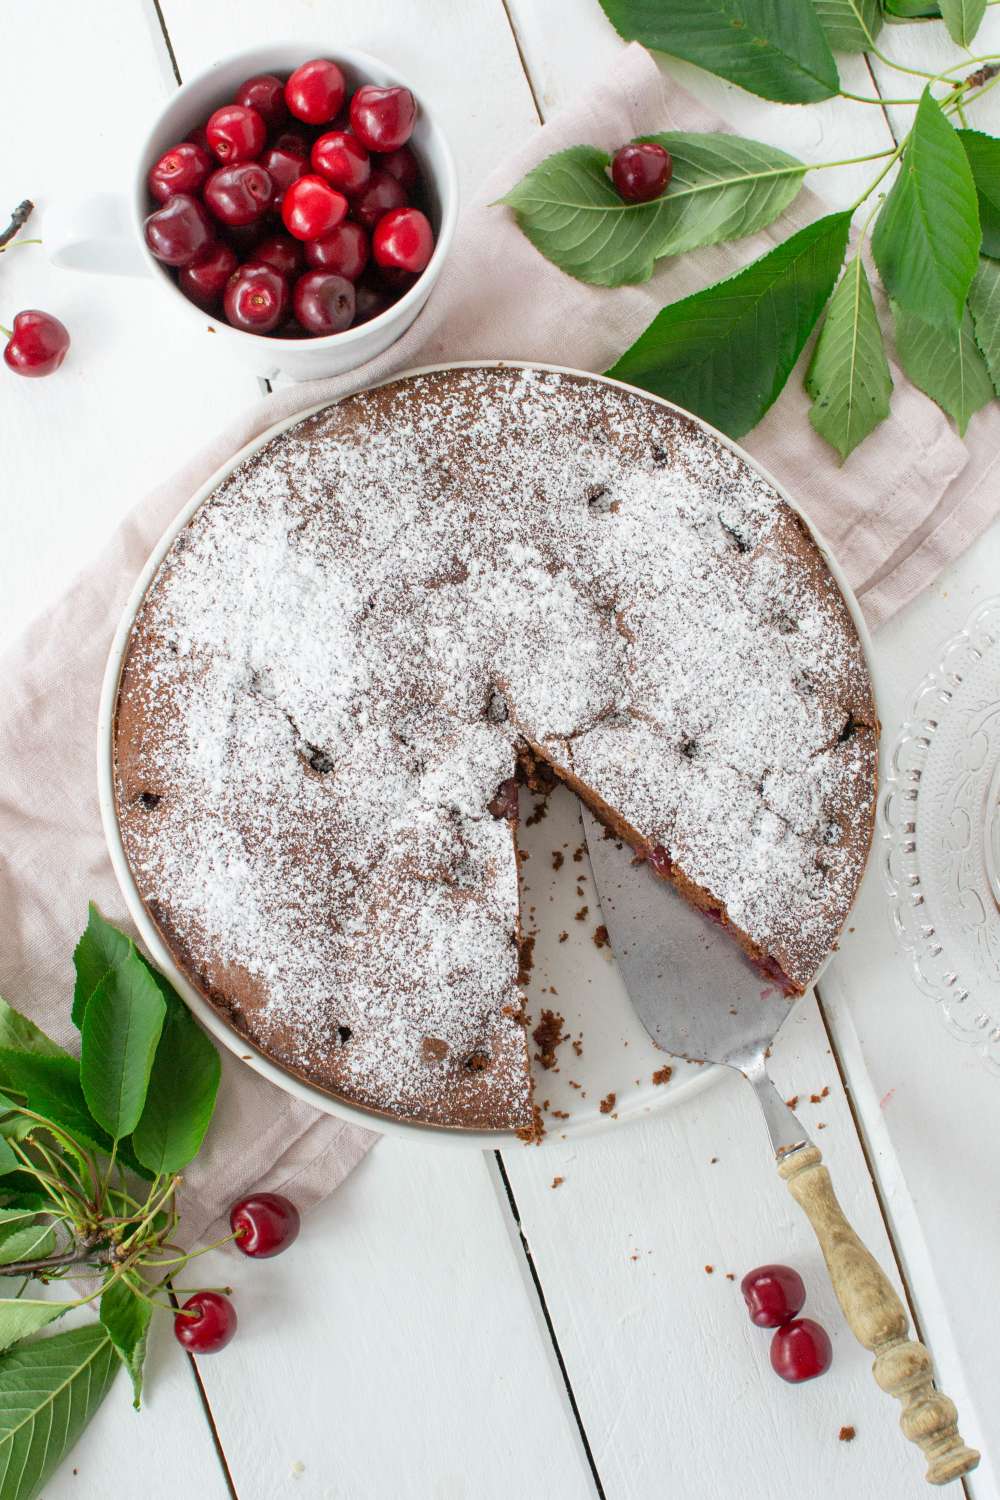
<point>359,638</point>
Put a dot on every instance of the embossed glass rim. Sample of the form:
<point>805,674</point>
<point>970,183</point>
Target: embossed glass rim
<point>937,971</point>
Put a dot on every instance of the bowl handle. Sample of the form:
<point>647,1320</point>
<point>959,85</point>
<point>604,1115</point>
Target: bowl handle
<point>94,234</point>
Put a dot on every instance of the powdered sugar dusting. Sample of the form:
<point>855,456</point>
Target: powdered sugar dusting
<point>333,668</point>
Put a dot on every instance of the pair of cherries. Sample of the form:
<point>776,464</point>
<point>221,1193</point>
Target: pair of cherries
<point>292,206</point>
<point>262,1225</point>
<point>800,1348</point>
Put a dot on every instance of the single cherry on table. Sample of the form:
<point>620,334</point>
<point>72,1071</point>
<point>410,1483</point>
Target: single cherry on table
<point>801,1350</point>
<point>264,1224</point>
<point>773,1295</point>
<point>206,1323</point>
<point>36,344</point>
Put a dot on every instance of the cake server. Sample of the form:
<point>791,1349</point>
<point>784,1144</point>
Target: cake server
<point>699,998</point>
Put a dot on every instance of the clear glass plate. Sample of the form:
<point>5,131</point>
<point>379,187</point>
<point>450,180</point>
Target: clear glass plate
<point>940,827</point>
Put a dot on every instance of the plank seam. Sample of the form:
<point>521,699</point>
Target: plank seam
<point>524,62</point>
<point>167,42</point>
<point>536,1281</point>
<point>206,1406</point>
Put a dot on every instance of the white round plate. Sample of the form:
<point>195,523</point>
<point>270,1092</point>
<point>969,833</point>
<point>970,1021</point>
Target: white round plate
<point>574,978</point>
<point>940,824</point>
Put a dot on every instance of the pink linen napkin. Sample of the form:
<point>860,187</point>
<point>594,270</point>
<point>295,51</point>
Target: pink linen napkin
<point>905,503</point>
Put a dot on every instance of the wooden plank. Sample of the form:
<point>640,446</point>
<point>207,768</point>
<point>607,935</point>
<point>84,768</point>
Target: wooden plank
<point>929,1108</point>
<point>566,45</point>
<point>135,394</point>
<point>461,58</point>
<point>673,1382</point>
<point>395,1350</point>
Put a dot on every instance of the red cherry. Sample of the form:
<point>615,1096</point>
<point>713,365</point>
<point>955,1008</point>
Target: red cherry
<point>283,167</point>
<point>282,253</point>
<point>370,301</point>
<point>294,141</point>
<point>773,1295</point>
<point>324,302</point>
<point>204,280</point>
<point>197,137</point>
<point>182,169</point>
<point>381,193</point>
<point>256,298</point>
<point>265,94</point>
<point>641,171</point>
<point>344,250</point>
<point>402,165</point>
<point>178,231</point>
<point>382,119</point>
<point>239,195</point>
<point>236,133</point>
<point>37,343</point>
<point>206,1323</point>
<point>264,1224</point>
<point>342,160</point>
<point>404,238</point>
<point>311,208</point>
<point>800,1350</point>
<point>315,91</point>
<point>659,860</point>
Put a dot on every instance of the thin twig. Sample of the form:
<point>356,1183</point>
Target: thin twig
<point>18,219</point>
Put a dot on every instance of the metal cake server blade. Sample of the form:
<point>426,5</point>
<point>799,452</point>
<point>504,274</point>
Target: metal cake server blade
<point>699,998</point>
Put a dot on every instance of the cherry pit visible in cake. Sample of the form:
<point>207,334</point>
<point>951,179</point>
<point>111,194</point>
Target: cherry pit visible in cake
<point>355,643</point>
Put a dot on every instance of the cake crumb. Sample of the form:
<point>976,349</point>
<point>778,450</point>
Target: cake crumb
<point>793,1102</point>
<point>709,1270</point>
<point>578,1046</point>
<point>607,1104</point>
<point>664,1074</point>
<point>578,854</point>
<point>581,915</point>
<point>601,936</point>
<point>847,1434</point>
<point>547,1036</point>
<point>526,957</point>
<point>532,1134</point>
<point>563,936</point>
<point>557,1181</point>
<point>815,1098</point>
<point>730,1276</point>
<point>712,1160</point>
<point>559,1114</point>
<point>820,1124</point>
<point>558,859</point>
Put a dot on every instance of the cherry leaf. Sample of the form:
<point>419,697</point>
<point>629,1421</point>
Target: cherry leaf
<point>182,1089</point>
<point>983,152</point>
<point>121,1028</point>
<point>963,18</point>
<point>49,1390</point>
<point>911,10</point>
<point>945,363</point>
<point>100,948</point>
<point>850,25</point>
<point>984,305</point>
<point>774,48</point>
<point>849,379</point>
<point>126,1317</point>
<point>926,239</point>
<point>725,352</point>
<point>722,187</point>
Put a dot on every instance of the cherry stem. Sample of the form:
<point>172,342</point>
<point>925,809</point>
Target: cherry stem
<point>18,219</point>
<point>179,1260</point>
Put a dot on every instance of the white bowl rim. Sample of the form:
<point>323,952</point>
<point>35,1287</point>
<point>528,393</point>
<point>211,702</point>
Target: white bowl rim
<point>206,1013</point>
<point>445,182</point>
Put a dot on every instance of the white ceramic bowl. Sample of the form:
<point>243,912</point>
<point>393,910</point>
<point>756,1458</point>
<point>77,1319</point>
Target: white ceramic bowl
<point>617,1048</point>
<point>104,233</point>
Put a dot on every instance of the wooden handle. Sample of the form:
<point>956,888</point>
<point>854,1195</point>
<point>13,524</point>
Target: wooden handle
<point>878,1320</point>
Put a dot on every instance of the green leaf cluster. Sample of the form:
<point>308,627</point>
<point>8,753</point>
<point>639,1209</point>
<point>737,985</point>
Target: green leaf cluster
<point>139,1099</point>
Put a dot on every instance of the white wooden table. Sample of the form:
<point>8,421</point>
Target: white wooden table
<point>449,1327</point>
